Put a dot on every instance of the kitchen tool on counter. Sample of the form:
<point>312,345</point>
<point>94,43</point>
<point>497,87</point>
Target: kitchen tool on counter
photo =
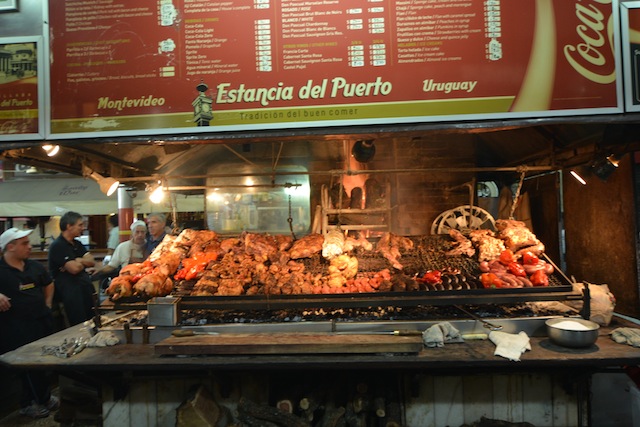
<point>485,324</point>
<point>400,333</point>
<point>190,333</point>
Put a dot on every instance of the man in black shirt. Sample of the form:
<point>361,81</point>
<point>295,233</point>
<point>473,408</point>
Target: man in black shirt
<point>68,261</point>
<point>26,295</point>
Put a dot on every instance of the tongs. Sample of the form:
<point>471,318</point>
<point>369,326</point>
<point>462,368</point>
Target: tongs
<point>485,324</point>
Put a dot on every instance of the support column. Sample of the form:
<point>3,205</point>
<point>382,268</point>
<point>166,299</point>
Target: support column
<point>125,213</point>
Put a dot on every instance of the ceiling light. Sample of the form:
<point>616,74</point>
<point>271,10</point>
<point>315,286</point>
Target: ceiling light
<point>108,185</point>
<point>50,149</point>
<point>579,178</point>
<point>157,193</point>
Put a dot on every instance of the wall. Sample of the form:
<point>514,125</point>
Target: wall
<point>601,234</point>
<point>417,198</point>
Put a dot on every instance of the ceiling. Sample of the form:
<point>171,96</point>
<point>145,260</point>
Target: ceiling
<point>551,142</point>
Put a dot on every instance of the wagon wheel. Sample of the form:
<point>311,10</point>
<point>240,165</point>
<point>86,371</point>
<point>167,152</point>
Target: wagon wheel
<point>465,218</point>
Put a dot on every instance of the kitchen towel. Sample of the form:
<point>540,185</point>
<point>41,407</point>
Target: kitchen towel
<point>510,346</point>
<point>439,334</point>
<point>629,336</point>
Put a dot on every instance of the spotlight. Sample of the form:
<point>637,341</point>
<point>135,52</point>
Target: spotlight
<point>50,149</point>
<point>578,178</point>
<point>363,151</point>
<point>604,168</point>
<point>108,185</point>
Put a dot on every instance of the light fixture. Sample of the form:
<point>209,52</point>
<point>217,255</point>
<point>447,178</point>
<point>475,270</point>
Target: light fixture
<point>578,177</point>
<point>51,149</point>
<point>108,185</point>
<point>156,194</point>
<point>603,168</point>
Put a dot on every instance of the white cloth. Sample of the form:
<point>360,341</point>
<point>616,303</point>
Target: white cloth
<point>510,346</point>
<point>439,334</point>
<point>630,336</point>
<point>103,339</point>
<point>122,255</point>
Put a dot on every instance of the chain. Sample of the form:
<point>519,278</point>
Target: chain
<point>290,220</point>
<point>516,197</point>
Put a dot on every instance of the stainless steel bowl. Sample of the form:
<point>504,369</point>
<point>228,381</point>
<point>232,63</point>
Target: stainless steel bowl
<point>572,332</point>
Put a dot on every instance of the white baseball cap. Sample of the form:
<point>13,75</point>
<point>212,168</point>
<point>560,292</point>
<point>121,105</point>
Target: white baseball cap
<point>12,234</point>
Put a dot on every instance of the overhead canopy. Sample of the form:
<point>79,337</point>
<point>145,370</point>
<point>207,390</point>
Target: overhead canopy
<point>50,197</point>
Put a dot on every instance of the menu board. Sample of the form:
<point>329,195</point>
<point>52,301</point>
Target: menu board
<point>142,67</point>
<point>631,53</point>
<point>21,89</point>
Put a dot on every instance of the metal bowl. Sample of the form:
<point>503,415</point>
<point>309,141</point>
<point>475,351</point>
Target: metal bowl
<point>572,332</point>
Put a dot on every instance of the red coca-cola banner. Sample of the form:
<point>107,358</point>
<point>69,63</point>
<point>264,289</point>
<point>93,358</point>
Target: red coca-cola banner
<point>136,67</point>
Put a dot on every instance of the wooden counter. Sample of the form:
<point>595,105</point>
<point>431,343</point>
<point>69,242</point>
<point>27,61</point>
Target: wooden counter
<point>470,355</point>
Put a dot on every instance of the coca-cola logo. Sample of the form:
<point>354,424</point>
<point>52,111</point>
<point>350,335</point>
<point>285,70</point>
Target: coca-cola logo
<point>589,57</point>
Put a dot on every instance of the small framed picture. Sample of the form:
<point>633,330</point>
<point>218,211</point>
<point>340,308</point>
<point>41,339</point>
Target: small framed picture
<point>8,5</point>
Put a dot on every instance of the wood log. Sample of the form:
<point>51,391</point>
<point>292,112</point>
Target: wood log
<point>285,405</point>
<point>394,416</point>
<point>247,420</point>
<point>269,413</point>
<point>308,406</point>
<point>379,407</point>
<point>352,419</point>
<point>332,417</point>
<point>199,410</point>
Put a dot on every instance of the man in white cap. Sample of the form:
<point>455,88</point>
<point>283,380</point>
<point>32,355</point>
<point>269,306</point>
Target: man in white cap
<point>26,295</point>
<point>127,252</point>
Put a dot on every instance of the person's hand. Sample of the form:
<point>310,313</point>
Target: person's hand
<point>5,303</point>
<point>90,270</point>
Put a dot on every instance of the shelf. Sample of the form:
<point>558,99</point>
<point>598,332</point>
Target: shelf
<point>380,217</point>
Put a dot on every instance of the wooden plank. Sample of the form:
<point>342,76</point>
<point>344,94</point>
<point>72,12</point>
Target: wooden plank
<point>507,398</point>
<point>536,389</point>
<point>288,343</point>
<point>448,401</point>
<point>477,389</point>
<point>419,409</point>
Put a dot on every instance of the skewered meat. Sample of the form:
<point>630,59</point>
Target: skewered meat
<point>515,234</point>
<point>361,242</point>
<point>120,287</point>
<point>463,246</point>
<point>262,246</point>
<point>390,246</point>
<point>488,246</point>
<point>333,244</point>
<point>230,244</point>
<point>307,246</point>
<point>154,284</point>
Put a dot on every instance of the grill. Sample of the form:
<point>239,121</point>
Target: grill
<point>426,302</point>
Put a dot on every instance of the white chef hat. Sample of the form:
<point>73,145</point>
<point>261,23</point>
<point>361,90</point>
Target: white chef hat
<point>137,223</point>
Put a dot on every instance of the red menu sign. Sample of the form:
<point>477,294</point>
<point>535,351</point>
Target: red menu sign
<point>134,66</point>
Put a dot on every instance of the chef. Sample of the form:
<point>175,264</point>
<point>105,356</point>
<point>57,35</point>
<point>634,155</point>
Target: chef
<point>129,252</point>
<point>26,295</point>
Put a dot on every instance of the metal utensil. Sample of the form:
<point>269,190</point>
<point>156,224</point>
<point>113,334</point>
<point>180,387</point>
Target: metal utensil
<point>401,333</point>
<point>485,324</point>
<point>190,333</point>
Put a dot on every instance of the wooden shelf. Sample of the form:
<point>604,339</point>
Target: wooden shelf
<point>380,220</point>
